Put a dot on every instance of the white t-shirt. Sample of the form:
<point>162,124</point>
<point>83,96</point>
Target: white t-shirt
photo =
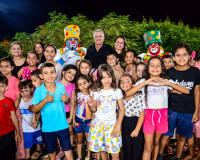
<point>27,116</point>
<point>157,97</point>
<point>106,105</point>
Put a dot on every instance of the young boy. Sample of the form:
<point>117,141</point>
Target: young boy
<point>30,121</point>
<point>8,123</point>
<point>183,109</point>
<point>168,61</point>
<point>36,80</point>
<point>112,60</point>
<point>138,60</point>
<point>50,98</point>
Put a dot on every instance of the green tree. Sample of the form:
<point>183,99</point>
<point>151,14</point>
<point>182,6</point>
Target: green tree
<point>113,25</point>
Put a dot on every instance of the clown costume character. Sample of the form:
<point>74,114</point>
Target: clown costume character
<point>153,44</point>
<point>71,52</point>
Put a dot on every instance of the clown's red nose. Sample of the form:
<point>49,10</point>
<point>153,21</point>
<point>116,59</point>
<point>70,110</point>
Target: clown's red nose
<point>73,42</point>
<point>153,46</point>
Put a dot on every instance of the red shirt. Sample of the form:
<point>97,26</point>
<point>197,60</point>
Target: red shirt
<point>6,106</point>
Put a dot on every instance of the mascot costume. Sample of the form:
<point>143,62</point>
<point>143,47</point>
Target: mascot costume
<point>71,51</point>
<point>153,44</point>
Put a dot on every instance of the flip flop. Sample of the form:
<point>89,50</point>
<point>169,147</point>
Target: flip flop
<point>36,155</point>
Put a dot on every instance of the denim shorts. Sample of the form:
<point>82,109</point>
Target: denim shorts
<point>50,139</point>
<point>182,122</point>
<point>81,125</point>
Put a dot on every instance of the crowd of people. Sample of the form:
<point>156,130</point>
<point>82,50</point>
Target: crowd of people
<point>111,101</point>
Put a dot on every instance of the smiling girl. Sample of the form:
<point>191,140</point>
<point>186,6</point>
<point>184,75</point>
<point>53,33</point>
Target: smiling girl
<point>154,87</point>
<point>49,53</point>
<point>105,130</point>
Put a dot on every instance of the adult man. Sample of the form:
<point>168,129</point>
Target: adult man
<point>96,53</point>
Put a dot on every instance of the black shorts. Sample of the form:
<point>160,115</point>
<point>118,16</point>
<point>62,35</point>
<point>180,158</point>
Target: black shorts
<point>8,146</point>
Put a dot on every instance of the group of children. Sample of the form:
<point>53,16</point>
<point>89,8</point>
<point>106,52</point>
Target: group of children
<point>135,106</point>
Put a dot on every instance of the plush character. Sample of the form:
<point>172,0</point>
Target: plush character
<point>71,51</point>
<point>153,44</point>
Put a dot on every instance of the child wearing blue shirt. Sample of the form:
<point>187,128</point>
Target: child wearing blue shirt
<point>50,98</point>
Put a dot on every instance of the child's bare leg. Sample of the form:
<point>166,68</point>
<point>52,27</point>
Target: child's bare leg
<point>156,143</point>
<point>52,156</point>
<point>79,141</point>
<point>115,156</point>
<point>191,148</point>
<point>104,155</point>
<point>180,145</point>
<point>88,151</point>
<point>163,143</point>
<point>148,147</point>
<point>71,134</point>
<point>98,156</point>
<point>69,155</point>
<point>28,153</point>
<point>38,147</point>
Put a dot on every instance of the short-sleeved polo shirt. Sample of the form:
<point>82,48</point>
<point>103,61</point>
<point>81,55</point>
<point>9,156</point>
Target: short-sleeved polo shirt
<point>53,113</point>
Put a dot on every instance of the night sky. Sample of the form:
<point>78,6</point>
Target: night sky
<point>26,15</point>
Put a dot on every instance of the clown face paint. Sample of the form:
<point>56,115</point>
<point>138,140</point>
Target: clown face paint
<point>154,48</point>
<point>72,43</point>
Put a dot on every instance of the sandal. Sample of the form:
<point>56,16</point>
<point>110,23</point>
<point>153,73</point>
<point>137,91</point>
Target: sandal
<point>170,150</point>
<point>36,155</point>
<point>45,157</point>
<point>60,155</point>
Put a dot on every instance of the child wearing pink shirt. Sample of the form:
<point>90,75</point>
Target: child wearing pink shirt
<point>32,60</point>
<point>68,75</point>
<point>13,92</point>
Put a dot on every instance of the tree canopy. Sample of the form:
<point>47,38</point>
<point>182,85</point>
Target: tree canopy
<point>113,25</point>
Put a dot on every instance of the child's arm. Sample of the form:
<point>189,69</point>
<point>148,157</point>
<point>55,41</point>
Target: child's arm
<point>196,99</point>
<point>139,125</point>
<point>18,99</point>
<point>175,86</point>
<point>65,98</point>
<point>69,120</point>
<point>20,72</point>
<point>117,128</point>
<point>38,107</point>
<point>74,114</point>
<point>16,124</point>
<point>174,91</point>
<point>134,89</point>
<point>38,115</point>
<point>33,121</point>
<point>92,103</point>
<point>118,68</point>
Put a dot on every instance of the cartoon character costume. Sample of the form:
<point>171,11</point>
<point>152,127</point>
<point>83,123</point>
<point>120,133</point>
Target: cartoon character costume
<point>153,44</point>
<point>71,51</point>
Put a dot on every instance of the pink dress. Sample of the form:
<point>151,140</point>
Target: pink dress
<point>27,72</point>
<point>69,89</point>
<point>11,92</point>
